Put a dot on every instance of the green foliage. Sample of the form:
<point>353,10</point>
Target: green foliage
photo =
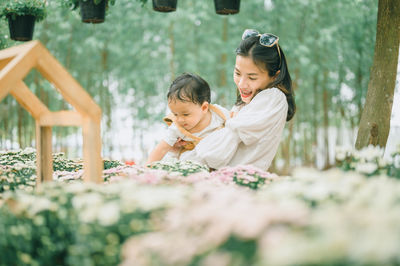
<point>310,218</point>
<point>18,169</point>
<point>13,8</point>
<point>75,3</point>
<point>131,60</point>
<point>108,164</point>
<point>60,227</point>
<point>183,168</point>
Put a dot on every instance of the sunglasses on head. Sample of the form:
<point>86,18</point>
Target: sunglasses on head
<point>266,39</point>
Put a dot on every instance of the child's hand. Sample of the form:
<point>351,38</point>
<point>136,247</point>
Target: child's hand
<point>179,144</point>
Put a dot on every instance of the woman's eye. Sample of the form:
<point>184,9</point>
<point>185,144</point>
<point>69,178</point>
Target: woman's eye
<point>252,79</point>
<point>185,114</point>
<point>237,74</point>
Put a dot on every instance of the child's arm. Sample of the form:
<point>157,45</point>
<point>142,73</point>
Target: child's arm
<point>159,152</point>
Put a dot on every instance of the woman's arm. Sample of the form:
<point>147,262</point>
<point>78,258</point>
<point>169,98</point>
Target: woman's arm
<point>252,123</point>
<point>260,116</point>
<point>159,152</point>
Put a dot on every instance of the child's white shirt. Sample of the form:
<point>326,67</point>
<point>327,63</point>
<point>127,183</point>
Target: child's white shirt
<point>252,136</point>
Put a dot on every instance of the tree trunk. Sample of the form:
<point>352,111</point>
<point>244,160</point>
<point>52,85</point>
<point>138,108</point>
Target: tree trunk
<point>172,49</point>
<point>325,101</point>
<point>20,126</point>
<point>10,127</point>
<point>106,97</point>
<point>375,119</point>
<point>315,120</point>
<point>286,149</point>
<point>222,80</point>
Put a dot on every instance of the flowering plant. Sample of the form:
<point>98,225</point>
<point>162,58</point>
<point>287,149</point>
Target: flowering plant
<point>75,3</point>
<point>368,161</point>
<point>18,169</point>
<point>77,223</point>
<point>244,175</point>
<point>183,168</point>
<point>312,218</point>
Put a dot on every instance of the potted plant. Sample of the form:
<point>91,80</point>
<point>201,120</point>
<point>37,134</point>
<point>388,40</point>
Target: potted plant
<point>21,16</point>
<point>164,5</point>
<point>226,7</point>
<point>92,11</point>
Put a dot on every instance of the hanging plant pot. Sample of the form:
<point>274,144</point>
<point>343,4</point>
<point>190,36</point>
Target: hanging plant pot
<point>226,7</point>
<point>91,12</point>
<point>21,27</point>
<point>164,5</point>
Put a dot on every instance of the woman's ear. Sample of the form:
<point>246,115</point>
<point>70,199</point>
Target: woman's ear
<point>277,73</point>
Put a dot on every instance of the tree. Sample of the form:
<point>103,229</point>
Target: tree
<point>375,119</point>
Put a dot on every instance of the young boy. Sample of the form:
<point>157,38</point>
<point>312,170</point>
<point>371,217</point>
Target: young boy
<point>192,118</point>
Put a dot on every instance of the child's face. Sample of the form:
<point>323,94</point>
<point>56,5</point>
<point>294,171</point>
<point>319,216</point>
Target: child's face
<point>249,78</point>
<point>188,114</point>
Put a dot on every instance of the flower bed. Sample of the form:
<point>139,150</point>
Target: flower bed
<point>18,169</point>
<point>77,223</point>
<point>369,161</point>
<point>313,218</point>
<point>181,214</point>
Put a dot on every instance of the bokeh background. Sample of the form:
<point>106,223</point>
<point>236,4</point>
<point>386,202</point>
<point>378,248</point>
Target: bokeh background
<point>128,62</point>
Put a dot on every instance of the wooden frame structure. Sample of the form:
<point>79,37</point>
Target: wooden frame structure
<point>15,63</point>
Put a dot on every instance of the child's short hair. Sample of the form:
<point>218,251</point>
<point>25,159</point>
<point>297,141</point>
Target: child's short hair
<point>189,87</point>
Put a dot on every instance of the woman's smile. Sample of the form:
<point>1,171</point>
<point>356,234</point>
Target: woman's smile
<point>249,78</point>
<point>245,94</point>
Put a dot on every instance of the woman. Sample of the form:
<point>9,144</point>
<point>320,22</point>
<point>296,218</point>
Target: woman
<point>265,102</point>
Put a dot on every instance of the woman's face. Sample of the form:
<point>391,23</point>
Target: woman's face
<point>249,77</point>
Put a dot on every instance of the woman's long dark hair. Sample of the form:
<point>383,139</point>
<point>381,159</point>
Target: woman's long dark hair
<point>268,58</point>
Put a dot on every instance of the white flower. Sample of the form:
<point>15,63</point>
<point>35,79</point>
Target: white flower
<point>340,156</point>
<point>396,162</point>
<point>75,188</point>
<point>382,162</point>
<point>28,150</point>
<point>366,168</point>
<point>89,200</point>
<point>149,198</point>
<point>88,215</point>
<point>341,153</point>
<point>41,204</point>
<point>371,152</point>
<point>108,214</point>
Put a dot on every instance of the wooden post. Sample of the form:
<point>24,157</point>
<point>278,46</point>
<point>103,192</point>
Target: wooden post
<point>92,162</point>
<point>15,63</point>
<point>44,157</point>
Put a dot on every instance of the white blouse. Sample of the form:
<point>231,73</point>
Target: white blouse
<point>250,137</point>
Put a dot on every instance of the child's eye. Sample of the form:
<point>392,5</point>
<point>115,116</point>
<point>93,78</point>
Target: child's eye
<point>252,79</point>
<point>185,114</point>
<point>237,74</point>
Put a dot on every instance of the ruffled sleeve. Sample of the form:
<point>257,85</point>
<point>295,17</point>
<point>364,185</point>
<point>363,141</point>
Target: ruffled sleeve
<point>254,120</point>
<point>251,124</point>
